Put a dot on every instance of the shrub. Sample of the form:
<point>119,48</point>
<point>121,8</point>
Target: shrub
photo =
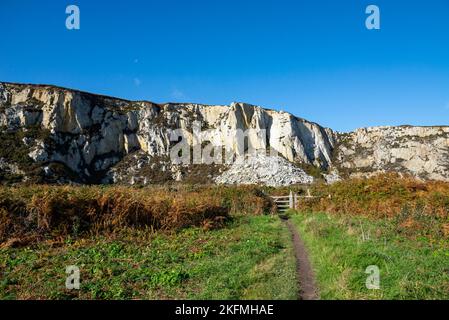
<point>414,204</point>
<point>42,212</point>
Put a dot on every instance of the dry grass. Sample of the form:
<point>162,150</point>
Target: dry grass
<point>30,213</point>
<point>416,205</point>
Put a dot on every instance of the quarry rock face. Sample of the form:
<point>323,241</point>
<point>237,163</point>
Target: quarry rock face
<point>55,134</point>
<point>419,151</point>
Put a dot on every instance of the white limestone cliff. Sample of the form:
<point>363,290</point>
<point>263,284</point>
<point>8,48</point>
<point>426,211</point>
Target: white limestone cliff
<point>90,134</point>
<point>419,151</point>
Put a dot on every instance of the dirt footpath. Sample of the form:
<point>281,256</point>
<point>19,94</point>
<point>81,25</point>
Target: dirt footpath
<point>307,287</point>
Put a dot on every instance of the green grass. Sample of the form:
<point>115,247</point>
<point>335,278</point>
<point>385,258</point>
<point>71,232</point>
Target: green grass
<point>342,247</point>
<point>251,258</point>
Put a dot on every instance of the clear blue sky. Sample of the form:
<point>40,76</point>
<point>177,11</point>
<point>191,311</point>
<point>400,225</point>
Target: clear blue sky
<point>313,58</point>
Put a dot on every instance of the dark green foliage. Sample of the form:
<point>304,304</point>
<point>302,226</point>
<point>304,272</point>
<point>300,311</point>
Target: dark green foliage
<point>13,149</point>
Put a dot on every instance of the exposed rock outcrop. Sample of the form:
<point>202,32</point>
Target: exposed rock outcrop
<point>89,133</point>
<point>419,151</point>
<point>331,177</point>
<point>55,134</point>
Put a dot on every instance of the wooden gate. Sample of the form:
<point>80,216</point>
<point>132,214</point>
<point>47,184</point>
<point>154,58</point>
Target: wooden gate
<point>283,203</point>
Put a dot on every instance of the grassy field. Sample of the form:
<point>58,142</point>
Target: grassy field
<point>341,247</point>
<point>216,242</point>
<point>251,258</point>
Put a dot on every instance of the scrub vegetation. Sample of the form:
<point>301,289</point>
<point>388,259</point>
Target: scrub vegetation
<point>216,242</point>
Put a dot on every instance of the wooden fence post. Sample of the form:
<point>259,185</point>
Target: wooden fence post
<point>296,201</point>
<point>290,198</point>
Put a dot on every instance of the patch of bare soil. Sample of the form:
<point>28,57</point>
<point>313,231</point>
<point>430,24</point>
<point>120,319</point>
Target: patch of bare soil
<point>307,287</point>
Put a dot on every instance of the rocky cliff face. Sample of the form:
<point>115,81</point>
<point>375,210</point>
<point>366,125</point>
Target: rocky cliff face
<point>52,134</point>
<point>419,151</point>
<point>85,135</point>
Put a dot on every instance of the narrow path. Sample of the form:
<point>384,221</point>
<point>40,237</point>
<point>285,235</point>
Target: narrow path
<point>307,287</point>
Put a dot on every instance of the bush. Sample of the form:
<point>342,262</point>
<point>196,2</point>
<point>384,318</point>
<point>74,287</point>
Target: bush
<point>28,213</point>
<point>414,204</point>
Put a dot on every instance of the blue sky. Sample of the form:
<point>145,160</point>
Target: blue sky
<point>314,58</point>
